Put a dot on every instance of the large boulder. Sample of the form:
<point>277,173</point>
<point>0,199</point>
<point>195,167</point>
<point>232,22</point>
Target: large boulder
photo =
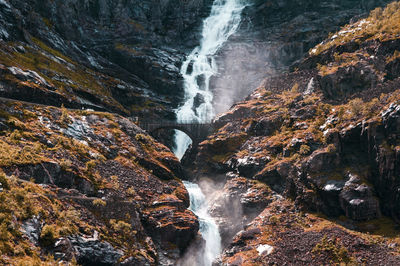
<point>359,201</point>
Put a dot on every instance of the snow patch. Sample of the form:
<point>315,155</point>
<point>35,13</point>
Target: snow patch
<point>265,248</point>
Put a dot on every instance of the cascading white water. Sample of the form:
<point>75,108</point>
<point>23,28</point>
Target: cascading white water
<point>208,227</point>
<point>200,66</point>
<point>197,70</point>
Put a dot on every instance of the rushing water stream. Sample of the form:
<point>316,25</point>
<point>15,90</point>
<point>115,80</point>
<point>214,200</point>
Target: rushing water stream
<point>208,227</point>
<point>200,66</point>
<point>197,70</point>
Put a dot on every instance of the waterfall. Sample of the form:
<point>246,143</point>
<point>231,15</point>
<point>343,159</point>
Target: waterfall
<point>200,66</point>
<point>208,227</point>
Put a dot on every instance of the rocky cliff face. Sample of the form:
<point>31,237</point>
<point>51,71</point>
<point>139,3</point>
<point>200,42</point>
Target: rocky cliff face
<point>128,48</point>
<point>275,34</point>
<point>325,139</point>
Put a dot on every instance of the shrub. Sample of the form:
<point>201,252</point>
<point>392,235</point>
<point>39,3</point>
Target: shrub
<point>371,108</point>
<point>3,181</point>
<point>356,106</point>
<point>65,164</point>
<point>64,118</point>
<point>331,148</point>
<point>115,182</point>
<point>274,220</point>
<point>121,227</point>
<point>15,136</point>
<point>305,149</point>
<point>90,165</point>
<point>99,202</point>
<point>48,236</point>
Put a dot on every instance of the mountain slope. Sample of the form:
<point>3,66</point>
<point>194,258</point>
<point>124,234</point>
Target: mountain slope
<point>325,137</point>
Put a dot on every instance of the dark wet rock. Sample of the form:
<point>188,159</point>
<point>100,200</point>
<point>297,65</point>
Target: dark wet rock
<point>332,137</point>
<point>247,166</point>
<point>348,80</point>
<point>156,169</point>
<point>322,161</point>
<point>3,126</point>
<point>273,178</point>
<point>265,126</point>
<point>197,101</point>
<point>87,251</point>
<point>52,173</point>
<point>166,229</point>
<point>359,201</point>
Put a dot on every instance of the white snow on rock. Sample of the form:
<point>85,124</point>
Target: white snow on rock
<point>265,248</point>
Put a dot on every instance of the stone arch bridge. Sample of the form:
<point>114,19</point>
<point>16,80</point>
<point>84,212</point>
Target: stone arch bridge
<point>196,131</point>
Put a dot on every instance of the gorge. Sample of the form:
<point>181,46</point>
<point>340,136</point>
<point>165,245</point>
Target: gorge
<point>302,165</point>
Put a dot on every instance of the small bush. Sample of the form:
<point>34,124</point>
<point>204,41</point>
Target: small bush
<point>64,118</point>
<point>15,136</point>
<point>48,236</point>
<point>371,108</point>
<point>99,202</point>
<point>65,164</point>
<point>121,227</point>
<point>131,192</point>
<point>356,106</point>
<point>274,220</point>
<point>90,165</point>
<point>331,148</point>
<point>305,149</point>
<point>3,181</point>
<point>115,182</point>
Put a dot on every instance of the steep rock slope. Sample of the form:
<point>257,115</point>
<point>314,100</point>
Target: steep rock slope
<point>326,138</point>
<point>273,35</point>
<point>108,55</point>
<point>87,187</point>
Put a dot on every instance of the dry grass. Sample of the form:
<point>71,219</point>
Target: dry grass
<point>382,24</point>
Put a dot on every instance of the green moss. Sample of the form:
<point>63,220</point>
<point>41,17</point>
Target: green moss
<point>382,227</point>
<point>336,252</point>
<point>83,79</point>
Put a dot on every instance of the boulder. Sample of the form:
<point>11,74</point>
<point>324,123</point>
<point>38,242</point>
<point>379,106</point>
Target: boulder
<point>87,251</point>
<point>358,200</point>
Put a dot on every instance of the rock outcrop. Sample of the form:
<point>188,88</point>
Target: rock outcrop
<point>89,187</point>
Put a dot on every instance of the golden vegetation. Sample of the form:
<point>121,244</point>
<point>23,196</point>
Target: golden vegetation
<point>382,24</point>
<point>334,249</point>
<point>22,200</point>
